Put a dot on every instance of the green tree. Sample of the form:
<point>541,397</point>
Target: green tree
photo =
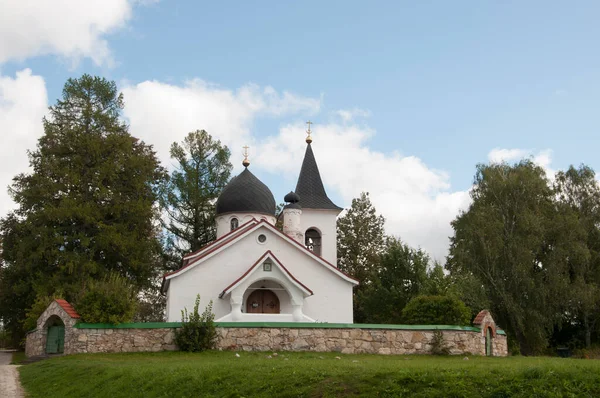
<point>401,275</point>
<point>506,240</point>
<point>578,196</point>
<point>86,209</point>
<point>188,197</point>
<point>360,242</point>
<point>436,310</point>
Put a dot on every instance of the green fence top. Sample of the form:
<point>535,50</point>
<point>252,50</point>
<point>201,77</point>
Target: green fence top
<point>294,325</point>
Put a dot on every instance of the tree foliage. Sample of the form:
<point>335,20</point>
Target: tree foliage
<point>578,198</point>
<point>188,197</point>
<point>401,275</point>
<point>436,310</point>
<point>507,239</point>
<point>110,300</point>
<point>86,210</point>
<point>360,242</point>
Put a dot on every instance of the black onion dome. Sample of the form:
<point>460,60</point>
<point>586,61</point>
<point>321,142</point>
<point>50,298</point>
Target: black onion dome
<point>246,194</point>
<point>291,197</point>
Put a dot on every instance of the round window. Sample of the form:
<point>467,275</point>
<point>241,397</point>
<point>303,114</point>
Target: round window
<point>262,238</point>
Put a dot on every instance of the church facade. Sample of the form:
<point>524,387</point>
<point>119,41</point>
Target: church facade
<point>253,272</point>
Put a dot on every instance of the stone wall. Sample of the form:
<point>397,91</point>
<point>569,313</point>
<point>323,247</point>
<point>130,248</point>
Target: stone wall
<point>319,338</point>
<point>356,341</point>
<point>347,341</point>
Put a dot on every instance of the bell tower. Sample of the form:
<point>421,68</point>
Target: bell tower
<point>319,214</point>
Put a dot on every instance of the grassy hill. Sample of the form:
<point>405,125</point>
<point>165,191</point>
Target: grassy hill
<point>223,374</point>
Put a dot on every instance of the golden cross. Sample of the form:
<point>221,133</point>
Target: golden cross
<point>308,138</point>
<point>246,162</point>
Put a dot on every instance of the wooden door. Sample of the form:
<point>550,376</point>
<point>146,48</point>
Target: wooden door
<point>262,302</point>
<point>55,340</point>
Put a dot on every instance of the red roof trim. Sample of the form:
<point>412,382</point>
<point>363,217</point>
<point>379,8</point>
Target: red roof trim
<point>311,253</point>
<point>228,234</point>
<point>238,232</point>
<point>68,308</point>
<point>215,246</point>
<point>289,273</point>
<point>268,253</point>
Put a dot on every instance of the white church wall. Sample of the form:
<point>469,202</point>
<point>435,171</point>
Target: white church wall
<point>325,222</point>
<point>223,221</point>
<point>331,302</point>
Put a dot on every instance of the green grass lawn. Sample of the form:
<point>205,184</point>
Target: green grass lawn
<point>222,374</point>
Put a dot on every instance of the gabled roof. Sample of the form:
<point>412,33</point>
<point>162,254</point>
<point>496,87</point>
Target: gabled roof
<point>246,275</point>
<point>64,304</point>
<point>310,187</point>
<point>193,259</point>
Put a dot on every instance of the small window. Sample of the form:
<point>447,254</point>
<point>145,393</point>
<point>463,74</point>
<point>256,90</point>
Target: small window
<point>267,266</point>
<point>262,238</point>
<point>234,223</point>
<point>312,241</point>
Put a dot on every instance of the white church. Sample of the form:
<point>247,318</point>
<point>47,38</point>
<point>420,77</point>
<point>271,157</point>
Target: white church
<point>253,272</point>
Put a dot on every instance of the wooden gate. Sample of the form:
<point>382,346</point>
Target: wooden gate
<point>55,340</point>
<point>488,342</point>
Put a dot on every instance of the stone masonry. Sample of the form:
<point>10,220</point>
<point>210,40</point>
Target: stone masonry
<point>317,339</point>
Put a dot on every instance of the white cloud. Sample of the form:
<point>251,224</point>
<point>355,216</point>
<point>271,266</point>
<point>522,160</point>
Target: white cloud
<point>416,200</point>
<point>23,103</point>
<point>349,115</point>
<point>542,158</point>
<point>161,113</point>
<point>69,28</point>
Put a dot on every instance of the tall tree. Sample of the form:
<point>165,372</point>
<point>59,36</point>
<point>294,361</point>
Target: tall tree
<point>578,196</point>
<point>360,239</point>
<point>188,197</point>
<point>506,241</point>
<point>86,210</point>
<point>360,242</point>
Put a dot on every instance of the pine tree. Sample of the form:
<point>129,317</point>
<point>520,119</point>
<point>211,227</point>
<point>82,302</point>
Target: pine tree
<point>188,197</point>
<point>86,210</point>
<point>360,242</point>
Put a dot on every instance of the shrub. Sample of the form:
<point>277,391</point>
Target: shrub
<point>110,300</point>
<point>438,344</point>
<point>197,331</point>
<point>33,313</point>
<point>436,310</point>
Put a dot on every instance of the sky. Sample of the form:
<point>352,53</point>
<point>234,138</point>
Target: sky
<point>406,97</point>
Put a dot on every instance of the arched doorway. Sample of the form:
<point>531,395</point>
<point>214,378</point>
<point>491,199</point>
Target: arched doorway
<point>488,342</point>
<point>55,336</point>
<point>262,301</point>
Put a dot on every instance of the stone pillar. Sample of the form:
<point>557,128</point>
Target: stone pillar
<point>291,223</point>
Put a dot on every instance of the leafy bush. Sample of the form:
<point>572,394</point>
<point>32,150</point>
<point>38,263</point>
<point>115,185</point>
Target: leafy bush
<point>33,313</point>
<point>436,310</point>
<point>110,300</point>
<point>197,331</point>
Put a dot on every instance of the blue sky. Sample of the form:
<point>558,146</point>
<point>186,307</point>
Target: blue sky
<point>418,93</point>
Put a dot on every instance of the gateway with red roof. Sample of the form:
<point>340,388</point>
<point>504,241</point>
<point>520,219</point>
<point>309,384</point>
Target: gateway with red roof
<point>254,272</point>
